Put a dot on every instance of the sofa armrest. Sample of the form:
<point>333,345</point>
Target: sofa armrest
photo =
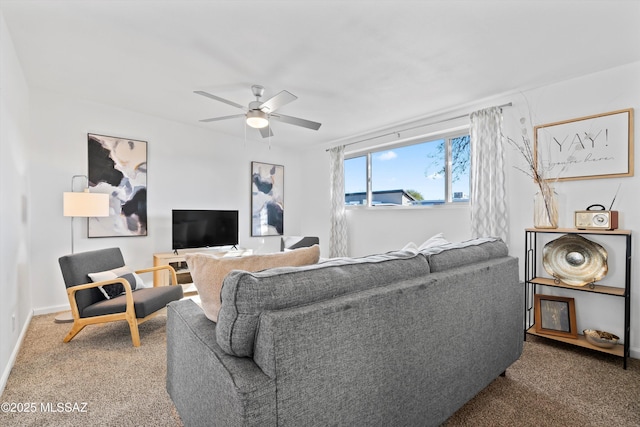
<point>208,386</point>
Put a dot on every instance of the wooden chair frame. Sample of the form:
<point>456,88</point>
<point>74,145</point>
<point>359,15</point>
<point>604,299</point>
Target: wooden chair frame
<point>129,315</point>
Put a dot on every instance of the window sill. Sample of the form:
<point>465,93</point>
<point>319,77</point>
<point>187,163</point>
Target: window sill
<point>445,206</point>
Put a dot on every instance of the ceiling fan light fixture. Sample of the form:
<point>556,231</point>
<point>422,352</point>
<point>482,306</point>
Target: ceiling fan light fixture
<point>259,113</point>
<point>257,119</point>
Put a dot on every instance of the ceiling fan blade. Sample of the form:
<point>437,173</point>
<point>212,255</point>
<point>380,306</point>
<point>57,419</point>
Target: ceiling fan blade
<point>266,132</point>
<point>297,121</point>
<point>277,101</point>
<point>215,119</point>
<point>217,98</point>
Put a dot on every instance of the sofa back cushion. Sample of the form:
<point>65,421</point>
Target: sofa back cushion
<point>246,295</point>
<point>208,271</point>
<point>451,255</point>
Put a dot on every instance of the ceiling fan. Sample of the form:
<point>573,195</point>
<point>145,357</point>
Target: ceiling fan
<point>259,112</point>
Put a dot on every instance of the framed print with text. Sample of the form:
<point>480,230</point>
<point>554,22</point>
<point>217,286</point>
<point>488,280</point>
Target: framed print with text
<point>598,146</point>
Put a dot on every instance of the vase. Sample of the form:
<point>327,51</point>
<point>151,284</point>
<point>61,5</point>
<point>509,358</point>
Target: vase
<point>545,208</point>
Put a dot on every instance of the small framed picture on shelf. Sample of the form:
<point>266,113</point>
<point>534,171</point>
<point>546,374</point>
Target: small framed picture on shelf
<point>555,315</point>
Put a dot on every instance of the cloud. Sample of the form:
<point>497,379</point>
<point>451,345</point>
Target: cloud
<point>387,155</point>
<point>435,176</point>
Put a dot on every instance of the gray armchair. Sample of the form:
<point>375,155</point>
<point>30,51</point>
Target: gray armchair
<point>90,306</point>
<point>295,242</point>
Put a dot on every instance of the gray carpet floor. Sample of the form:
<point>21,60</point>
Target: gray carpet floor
<point>121,385</point>
<point>100,379</point>
<point>556,384</point>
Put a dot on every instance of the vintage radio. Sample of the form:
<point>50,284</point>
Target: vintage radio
<point>591,219</point>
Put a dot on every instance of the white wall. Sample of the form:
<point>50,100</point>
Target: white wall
<point>375,230</point>
<point>15,303</point>
<point>382,229</point>
<point>189,167</point>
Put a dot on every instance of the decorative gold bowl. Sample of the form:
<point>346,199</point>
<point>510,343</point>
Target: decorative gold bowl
<point>600,338</point>
<point>574,260</point>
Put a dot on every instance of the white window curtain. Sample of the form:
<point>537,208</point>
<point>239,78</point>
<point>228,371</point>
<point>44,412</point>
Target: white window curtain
<point>488,192</point>
<point>338,232</point>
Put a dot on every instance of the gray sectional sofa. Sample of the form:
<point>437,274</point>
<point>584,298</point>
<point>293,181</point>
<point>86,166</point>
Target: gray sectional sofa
<point>402,339</point>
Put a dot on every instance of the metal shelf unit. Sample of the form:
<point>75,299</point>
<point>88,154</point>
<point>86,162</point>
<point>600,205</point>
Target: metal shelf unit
<point>532,281</point>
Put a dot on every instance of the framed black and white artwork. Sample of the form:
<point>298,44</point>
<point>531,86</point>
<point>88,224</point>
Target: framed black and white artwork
<point>267,199</point>
<point>118,167</point>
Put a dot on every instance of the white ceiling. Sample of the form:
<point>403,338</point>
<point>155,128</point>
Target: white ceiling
<point>354,65</point>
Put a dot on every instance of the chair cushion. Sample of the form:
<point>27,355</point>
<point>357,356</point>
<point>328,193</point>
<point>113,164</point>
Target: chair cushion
<point>146,301</point>
<point>112,291</point>
<point>208,271</point>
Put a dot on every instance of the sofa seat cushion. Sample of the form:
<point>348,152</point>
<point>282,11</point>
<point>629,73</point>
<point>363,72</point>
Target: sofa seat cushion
<point>451,255</point>
<point>146,301</point>
<point>208,271</point>
<point>246,295</point>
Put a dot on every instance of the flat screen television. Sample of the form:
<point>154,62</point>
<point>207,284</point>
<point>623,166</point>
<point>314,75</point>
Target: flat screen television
<point>203,228</point>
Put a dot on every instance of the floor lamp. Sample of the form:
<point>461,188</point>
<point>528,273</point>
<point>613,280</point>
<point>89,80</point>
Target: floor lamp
<point>85,205</point>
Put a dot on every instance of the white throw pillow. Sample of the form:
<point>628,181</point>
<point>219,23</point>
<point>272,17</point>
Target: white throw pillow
<point>112,291</point>
<point>436,240</point>
<point>410,247</point>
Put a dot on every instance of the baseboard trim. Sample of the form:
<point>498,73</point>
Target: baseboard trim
<point>14,354</point>
<point>51,309</point>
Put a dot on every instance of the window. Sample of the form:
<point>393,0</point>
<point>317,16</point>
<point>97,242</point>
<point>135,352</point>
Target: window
<point>355,180</point>
<point>421,173</point>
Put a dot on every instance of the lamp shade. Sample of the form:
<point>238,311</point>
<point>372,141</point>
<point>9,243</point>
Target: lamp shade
<point>257,119</point>
<point>85,204</point>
